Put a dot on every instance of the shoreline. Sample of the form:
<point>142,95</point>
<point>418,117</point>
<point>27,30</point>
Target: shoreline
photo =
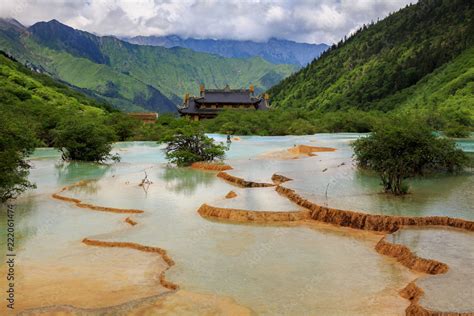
<point>350,219</point>
<point>374,224</point>
<point>94,242</point>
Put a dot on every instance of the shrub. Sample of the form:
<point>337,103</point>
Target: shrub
<point>85,138</point>
<point>125,127</point>
<point>457,131</point>
<point>397,151</point>
<point>17,142</point>
<point>301,127</point>
<point>189,144</point>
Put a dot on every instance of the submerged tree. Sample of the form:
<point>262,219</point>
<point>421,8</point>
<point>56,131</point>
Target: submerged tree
<point>85,138</point>
<point>17,142</point>
<point>400,150</point>
<point>189,144</point>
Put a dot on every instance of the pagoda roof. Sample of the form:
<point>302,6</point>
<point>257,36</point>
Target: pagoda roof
<point>221,97</point>
<point>192,107</point>
<point>227,96</point>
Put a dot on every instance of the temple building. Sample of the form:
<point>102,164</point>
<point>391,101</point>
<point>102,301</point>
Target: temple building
<point>211,101</point>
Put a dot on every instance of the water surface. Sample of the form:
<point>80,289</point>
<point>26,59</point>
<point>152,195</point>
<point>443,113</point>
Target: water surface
<point>269,269</point>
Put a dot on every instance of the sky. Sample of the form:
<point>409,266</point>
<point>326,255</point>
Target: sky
<point>311,21</point>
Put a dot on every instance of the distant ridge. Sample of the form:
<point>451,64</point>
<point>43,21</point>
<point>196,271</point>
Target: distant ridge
<point>276,51</point>
<point>11,23</point>
<point>131,77</point>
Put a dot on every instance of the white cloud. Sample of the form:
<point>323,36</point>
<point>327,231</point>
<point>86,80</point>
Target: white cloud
<point>300,20</point>
<point>275,14</point>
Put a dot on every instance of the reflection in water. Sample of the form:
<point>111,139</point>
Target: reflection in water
<point>185,180</point>
<point>424,194</point>
<point>69,172</point>
<point>272,270</point>
<point>88,188</point>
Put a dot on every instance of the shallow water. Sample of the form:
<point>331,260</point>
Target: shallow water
<point>269,269</point>
<point>332,179</point>
<point>452,291</point>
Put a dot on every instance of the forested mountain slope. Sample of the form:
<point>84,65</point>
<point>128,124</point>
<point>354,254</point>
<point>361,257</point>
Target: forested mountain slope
<point>131,77</point>
<point>420,56</point>
<point>38,101</point>
<point>448,90</point>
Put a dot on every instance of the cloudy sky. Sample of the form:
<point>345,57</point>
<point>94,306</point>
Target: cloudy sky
<point>312,21</point>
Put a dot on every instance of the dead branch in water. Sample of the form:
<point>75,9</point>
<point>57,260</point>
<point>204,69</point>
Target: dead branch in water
<point>145,184</point>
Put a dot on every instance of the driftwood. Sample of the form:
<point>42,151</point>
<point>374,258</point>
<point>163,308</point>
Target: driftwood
<point>145,184</point>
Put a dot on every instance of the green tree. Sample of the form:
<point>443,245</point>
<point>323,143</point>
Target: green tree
<point>84,137</point>
<point>456,130</point>
<point>125,127</point>
<point>189,144</point>
<point>17,142</point>
<point>398,151</point>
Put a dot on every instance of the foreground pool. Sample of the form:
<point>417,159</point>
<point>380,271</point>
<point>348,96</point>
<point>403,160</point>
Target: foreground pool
<point>222,267</point>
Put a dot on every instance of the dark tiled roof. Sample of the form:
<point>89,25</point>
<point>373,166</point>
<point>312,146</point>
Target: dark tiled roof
<point>231,97</point>
<point>192,108</point>
<point>195,105</point>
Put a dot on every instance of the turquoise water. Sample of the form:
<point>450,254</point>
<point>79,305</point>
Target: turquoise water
<point>466,144</point>
<point>270,269</point>
<point>452,291</point>
<point>329,178</point>
<point>332,179</point>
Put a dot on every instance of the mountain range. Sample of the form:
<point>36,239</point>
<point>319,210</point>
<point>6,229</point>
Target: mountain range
<point>421,57</point>
<point>130,77</point>
<point>274,50</point>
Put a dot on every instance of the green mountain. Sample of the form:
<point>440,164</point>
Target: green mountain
<point>38,101</point>
<point>421,57</point>
<point>19,82</point>
<point>131,77</point>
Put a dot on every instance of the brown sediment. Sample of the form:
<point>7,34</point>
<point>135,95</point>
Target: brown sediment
<point>379,223</point>
<point>279,179</point>
<point>241,182</point>
<point>409,259</point>
<point>361,221</point>
<point>58,196</point>
<point>168,303</point>
<point>130,221</point>
<point>245,216</point>
<point>65,198</point>
<point>231,195</point>
<point>309,150</point>
<point>342,218</point>
<point>84,275</point>
<point>162,252</point>
<point>108,209</point>
<point>296,152</point>
<point>165,283</point>
<point>79,203</point>
<point>413,293</point>
<point>210,166</point>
